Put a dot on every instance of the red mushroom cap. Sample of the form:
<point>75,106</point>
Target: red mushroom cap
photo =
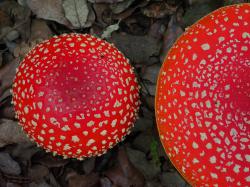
<point>76,95</point>
<point>203,100</point>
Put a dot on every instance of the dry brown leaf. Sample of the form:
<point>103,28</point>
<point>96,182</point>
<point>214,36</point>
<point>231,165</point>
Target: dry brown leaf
<point>23,150</point>
<point>120,7</point>
<point>50,161</point>
<point>138,49</point>
<point>105,1</point>
<point>89,165</point>
<point>7,74</point>
<point>100,9</point>
<point>10,132</point>
<point>173,31</point>
<point>20,16</point>
<point>8,165</point>
<point>124,173</point>
<point>91,180</point>
<point>1,59</point>
<point>131,10</point>
<point>23,48</point>
<point>4,19</point>
<point>7,110</point>
<point>91,17</point>
<point>40,30</point>
<point>157,29</point>
<point>159,10</point>
<point>49,10</point>
<point>37,172</point>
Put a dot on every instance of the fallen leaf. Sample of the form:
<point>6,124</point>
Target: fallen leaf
<point>172,179</point>
<point>88,165</point>
<point>24,150</point>
<point>40,30</point>
<point>159,10</point>
<point>50,161</point>
<point>150,73</point>
<point>100,9</point>
<point>124,174</point>
<point>11,132</point>
<point>23,48</point>
<point>109,30</point>
<point>139,160</point>
<point>7,74</point>
<point>173,31</point>
<point>120,7</point>
<point>150,101</point>
<point>37,172</point>
<point>105,182</point>
<point>201,8</point>
<point>157,29</point>
<point>48,10</point>
<point>138,49</point>
<point>7,111</point>
<point>8,165</point>
<point>91,17</point>
<point>40,183</point>
<point>52,180</point>
<point>130,11</point>
<point>76,180</point>
<point>4,19</point>
<point>20,16</point>
<point>14,10</point>
<point>76,11</point>
<point>1,59</point>
<point>230,2</point>
<point>105,1</point>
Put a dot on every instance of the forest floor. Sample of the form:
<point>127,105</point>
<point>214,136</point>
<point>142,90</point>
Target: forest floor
<point>143,30</point>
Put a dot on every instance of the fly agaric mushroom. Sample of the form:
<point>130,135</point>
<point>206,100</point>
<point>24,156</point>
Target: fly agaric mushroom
<point>76,95</point>
<point>203,101</point>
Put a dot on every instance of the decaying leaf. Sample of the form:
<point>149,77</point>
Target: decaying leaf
<point>48,10</point>
<point>120,7</point>
<point>1,59</point>
<point>40,30</point>
<point>128,12</point>
<point>138,49</point>
<point>109,30</point>
<point>76,11</point>
<point>24,150</point>
<point>8,165</point>
<point>20,17</point>
<point>91,17</point>
<point>139,160</point>
<point>124,173</point>
<point>105,1</point>
<point>10,132</point>
<point>75,180</point>
<point>7,74</point>
<point>4,19</point>
<point>50,161</point>
<point>173,31</point>
<point>157,29</point>
<point>159,10</point>
<point>37,172</point>
<point>6,109</point>
<point>100,9</point>
<point>201,8</point>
